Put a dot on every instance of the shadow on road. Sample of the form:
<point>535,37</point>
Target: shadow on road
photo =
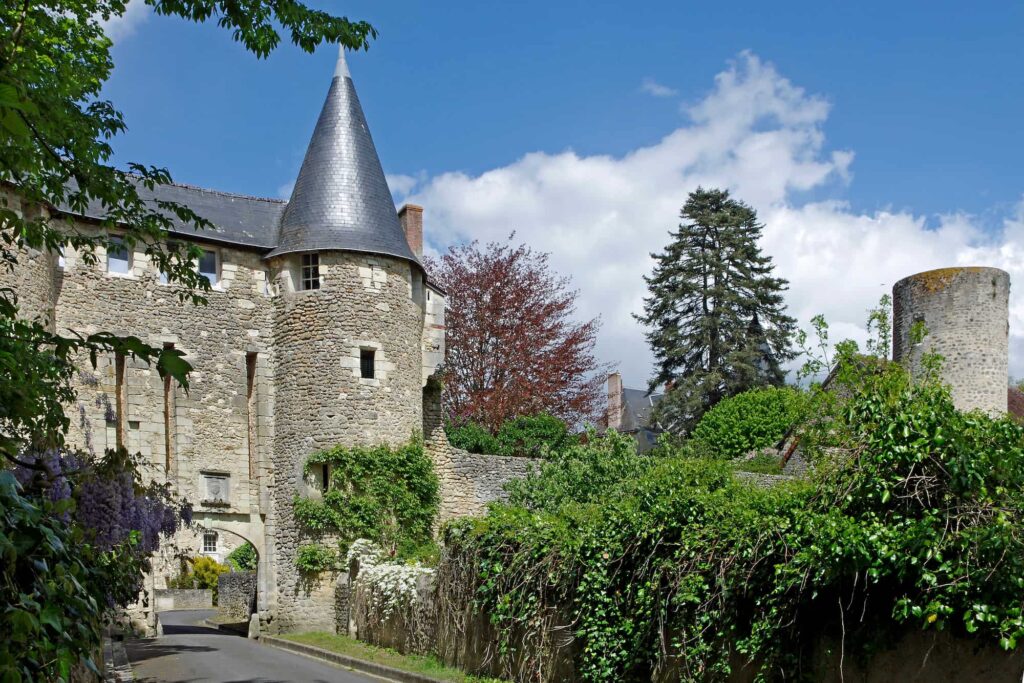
<point>141,650</point>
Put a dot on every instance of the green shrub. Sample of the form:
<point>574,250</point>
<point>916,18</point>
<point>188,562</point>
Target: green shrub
<point>526,436</point>
<point>199,573</point>
<point>747,421</point>
<point>314,558</point>
<point>384,494</point>
<point>243,558</point>
<point>580,474</point>
<point>472,437</point>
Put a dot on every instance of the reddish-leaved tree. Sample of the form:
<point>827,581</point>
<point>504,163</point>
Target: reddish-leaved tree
<point>513,344</point>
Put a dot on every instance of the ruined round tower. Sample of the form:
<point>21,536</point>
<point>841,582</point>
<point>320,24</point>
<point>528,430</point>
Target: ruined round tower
<point>965,312</point>
<point>347,327</point>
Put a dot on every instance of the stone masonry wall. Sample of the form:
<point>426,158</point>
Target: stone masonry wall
<point>965,312</point>
<point>364,302</point>
<point>180,435</point>
<point>236,592</point>
<point>468,481</point>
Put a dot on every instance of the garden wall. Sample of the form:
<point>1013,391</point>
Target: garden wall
<point>236,595</point>
<point>468,481</point>
<point>182,598</point>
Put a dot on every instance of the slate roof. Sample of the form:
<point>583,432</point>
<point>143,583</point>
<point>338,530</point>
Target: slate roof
<point>341,199</point>
<point>636,409</point>
<point>237,219</point>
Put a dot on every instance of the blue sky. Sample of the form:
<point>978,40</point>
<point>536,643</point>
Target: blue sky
<point>894,124</point>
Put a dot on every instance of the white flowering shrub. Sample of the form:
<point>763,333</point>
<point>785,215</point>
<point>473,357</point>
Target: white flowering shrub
<point>384,588</point>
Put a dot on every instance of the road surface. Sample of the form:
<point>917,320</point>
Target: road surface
<point>190,652</point>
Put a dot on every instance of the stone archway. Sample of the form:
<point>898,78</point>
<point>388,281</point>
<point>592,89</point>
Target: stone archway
<point>249,529</point>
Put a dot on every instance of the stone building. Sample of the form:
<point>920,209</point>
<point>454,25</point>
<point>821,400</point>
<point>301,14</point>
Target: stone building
<point>321,329</point>
<point>629,411</point>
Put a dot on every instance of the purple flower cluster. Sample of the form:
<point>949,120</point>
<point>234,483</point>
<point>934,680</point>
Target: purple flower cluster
<point>111,509</point>
<point>108,505</point>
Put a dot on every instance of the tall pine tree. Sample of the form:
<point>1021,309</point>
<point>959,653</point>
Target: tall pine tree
<point>717,319</point>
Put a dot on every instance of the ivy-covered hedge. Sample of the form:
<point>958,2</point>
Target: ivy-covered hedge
<point>678,570</point>
<point>528,436</point>
<point>384,494</point>
<point>748,421</point>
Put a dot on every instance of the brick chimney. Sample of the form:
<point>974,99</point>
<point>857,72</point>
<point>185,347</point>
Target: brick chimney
<point>411,218</point>
<point>614,416</point>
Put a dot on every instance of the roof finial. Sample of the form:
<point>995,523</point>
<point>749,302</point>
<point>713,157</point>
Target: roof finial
<point>341,70</point>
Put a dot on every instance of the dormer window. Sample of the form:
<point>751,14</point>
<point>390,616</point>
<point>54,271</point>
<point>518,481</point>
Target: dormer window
<point>119,259</point>
<point>310,272</point>
<point>209,267</point>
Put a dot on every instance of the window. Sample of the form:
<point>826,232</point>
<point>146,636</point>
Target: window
<point>118,258</point>
<point>366,363</point>
<point>208,266</point>
<point>216,488</point>
<point>325,478</point>
<point>62,261</point>
<point>209,541</point>
<point>310,271</point>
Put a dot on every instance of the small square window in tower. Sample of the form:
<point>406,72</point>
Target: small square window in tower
<point>366,364</point>
<point>310,271</point>
<point>210,542</point>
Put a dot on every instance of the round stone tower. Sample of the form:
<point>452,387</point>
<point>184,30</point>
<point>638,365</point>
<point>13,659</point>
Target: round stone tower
<point>965,312</point>
<point>347,331</point>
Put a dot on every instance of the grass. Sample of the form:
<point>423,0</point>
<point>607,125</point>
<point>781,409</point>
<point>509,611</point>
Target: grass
<point>427,665</point>
<point>761,464</point>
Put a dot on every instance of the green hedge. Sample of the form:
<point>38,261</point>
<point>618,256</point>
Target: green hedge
<point>748,421</point>
<point>531,436</point>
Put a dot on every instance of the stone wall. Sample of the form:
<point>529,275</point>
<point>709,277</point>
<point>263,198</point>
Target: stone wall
<point>965,312</point>
<point>236,595</point>
<point>468,481</point>
<point>182,598</point>
<point>364,302</point>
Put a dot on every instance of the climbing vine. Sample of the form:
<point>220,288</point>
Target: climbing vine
<point>380,493</point>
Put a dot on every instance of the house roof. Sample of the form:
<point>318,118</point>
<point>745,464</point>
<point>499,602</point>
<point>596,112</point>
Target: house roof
<point>340,201</point>
<point>237,219</point>
<point>637,406</point>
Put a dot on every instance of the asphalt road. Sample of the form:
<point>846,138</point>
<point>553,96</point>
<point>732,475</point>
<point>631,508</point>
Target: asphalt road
<point>190,652</point>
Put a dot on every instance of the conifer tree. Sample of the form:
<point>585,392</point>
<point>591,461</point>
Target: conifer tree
<point>716,315</point>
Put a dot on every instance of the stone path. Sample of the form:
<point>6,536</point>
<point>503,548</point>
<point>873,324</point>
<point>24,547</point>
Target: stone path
<point>190,652</point>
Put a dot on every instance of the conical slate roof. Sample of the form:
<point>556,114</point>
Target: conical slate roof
<point>341,200</point>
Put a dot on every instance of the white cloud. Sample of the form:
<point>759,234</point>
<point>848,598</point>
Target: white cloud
<point>401,185</point>
<point>119,27</point>
<point>756,134</point>
<point>652,87</point>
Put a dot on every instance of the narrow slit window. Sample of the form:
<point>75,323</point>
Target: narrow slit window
<point>208,267</point>
<point>366,363</point>
<point>325,478</point>
<point>310,271</point>
<point>119,259</point>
